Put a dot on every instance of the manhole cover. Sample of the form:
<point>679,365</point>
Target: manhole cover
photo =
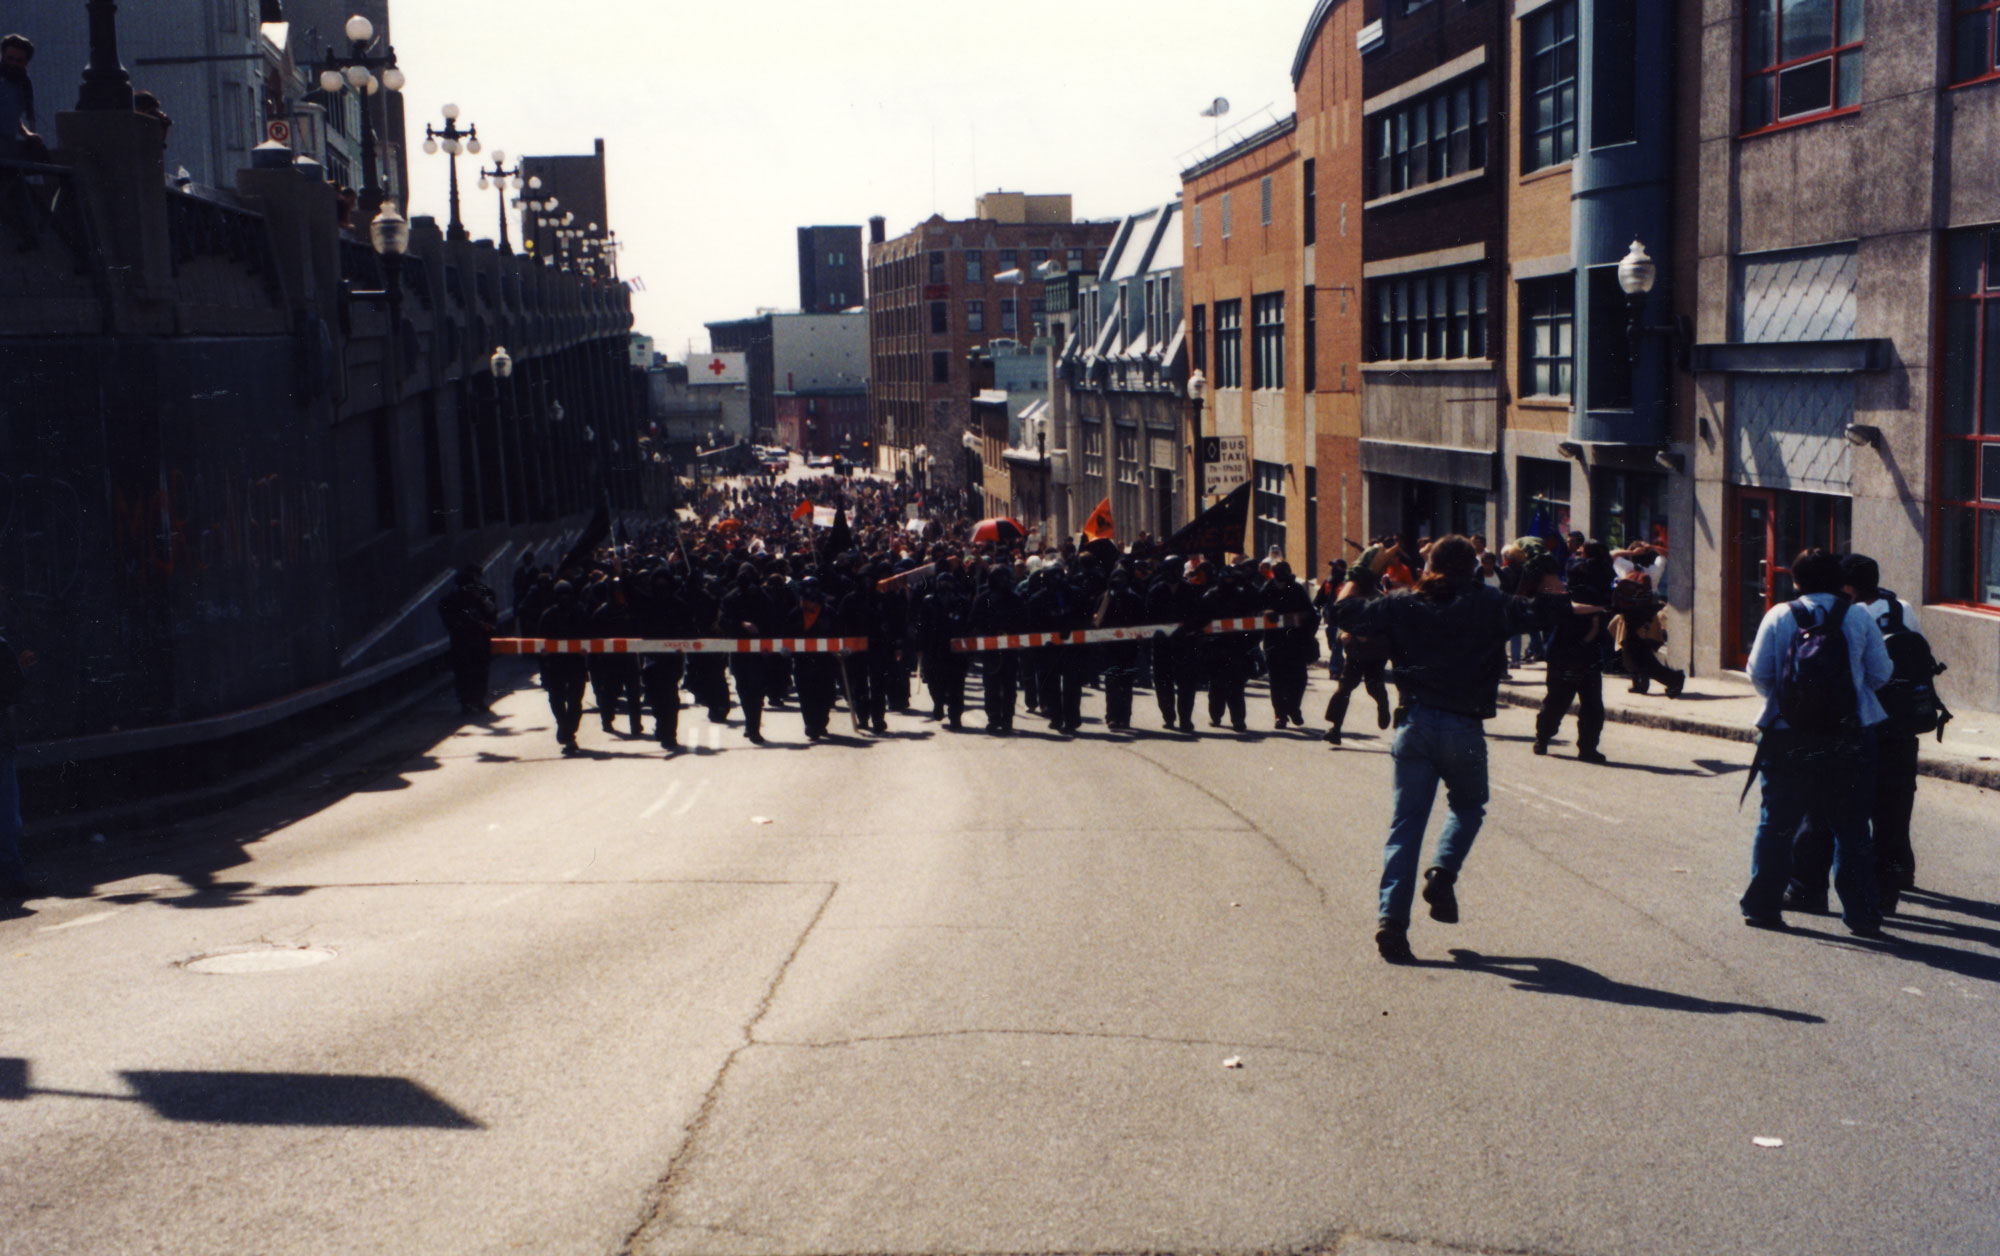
<point>264,960</point>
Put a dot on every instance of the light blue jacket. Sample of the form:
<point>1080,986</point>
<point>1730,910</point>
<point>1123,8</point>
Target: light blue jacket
<point>1870,658</point>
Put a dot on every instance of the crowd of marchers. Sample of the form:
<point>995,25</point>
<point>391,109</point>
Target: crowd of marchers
<point>902,578</point>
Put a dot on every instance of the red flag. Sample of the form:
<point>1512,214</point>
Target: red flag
<point>804,511</point>
<point>1098,526</point>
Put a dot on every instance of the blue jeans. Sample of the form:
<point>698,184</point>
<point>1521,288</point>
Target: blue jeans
<point>1432,746</point>
<point>11,863</point>
<point>1832,781</point>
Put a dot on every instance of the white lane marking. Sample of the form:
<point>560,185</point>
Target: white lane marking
<point>693,798</point>
<point>91,919</point>
<point>1563,802</point>
<point>574,873</point>
<point>513,898</point>
<point>715,738</point>
<point>661,804</point>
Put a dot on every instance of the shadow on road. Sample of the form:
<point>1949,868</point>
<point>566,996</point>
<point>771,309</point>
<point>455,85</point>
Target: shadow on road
<point>222,1098</point>
<point>1555,976</point>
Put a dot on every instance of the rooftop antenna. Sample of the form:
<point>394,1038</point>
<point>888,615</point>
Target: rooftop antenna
<point>1216,108</point>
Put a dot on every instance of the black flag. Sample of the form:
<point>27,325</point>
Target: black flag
<point>1215,531</point>
<point>839,538</point>
<point>594,534</point>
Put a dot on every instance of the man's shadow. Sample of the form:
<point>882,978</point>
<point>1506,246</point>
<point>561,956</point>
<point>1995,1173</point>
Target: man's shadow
<point>1556,976</point>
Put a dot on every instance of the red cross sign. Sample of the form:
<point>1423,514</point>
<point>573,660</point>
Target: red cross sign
<point>717,367</point>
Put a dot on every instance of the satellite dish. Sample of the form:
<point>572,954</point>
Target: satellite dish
<point>1216,109</point>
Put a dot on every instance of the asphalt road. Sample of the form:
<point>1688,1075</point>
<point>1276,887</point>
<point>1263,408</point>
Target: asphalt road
<point>941,992</point>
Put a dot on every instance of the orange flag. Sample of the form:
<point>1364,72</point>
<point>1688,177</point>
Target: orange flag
<point>804,510</point>
<point>1098,526</point>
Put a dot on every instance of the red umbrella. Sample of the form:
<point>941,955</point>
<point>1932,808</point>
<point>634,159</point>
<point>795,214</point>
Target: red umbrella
<point>1001,531</point>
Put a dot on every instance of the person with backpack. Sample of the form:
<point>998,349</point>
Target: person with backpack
<point>1817,667</point>
<point>1910,699</point>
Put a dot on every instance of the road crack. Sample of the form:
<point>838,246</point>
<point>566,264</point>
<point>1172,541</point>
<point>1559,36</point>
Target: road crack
<point>660,1198</point>
<point>1284,856</point>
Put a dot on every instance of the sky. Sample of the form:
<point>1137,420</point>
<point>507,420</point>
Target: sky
<point>728,126</point>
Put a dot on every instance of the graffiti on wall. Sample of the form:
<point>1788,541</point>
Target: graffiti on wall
<point>242,524</point>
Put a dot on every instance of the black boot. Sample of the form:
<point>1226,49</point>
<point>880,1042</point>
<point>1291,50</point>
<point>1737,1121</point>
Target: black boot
<point>1438,893</point>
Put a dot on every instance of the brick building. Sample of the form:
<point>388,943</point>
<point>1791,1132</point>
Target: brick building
<point>576,183</point>
<point>939,291</point>
<point>1272,254</point>
<point>830,269</point>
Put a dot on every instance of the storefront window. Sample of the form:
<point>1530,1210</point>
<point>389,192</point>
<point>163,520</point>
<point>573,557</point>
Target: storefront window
<point>1541,497</point>
<point>1968,524</point>
<point>1631,509</point>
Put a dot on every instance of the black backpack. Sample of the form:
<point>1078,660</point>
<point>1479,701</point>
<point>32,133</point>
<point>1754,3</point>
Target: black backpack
<point>1911,697</point>
<point>1816,677</point>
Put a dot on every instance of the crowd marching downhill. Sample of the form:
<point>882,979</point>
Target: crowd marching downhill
<point>901,587</point>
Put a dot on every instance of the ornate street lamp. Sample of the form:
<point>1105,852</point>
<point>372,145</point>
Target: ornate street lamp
<point>368,74</point>
<point>389,233</point>
<point>506,181</point>
<point>106,85</point>
<point>453,141</point>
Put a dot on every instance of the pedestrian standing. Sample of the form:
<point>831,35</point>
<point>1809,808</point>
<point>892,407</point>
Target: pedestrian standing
<point>18,141</point>
<point>1576,662</point>
<point>1176,652</point>
<point>1446,640</point>
<point>563,675</point>
<point>1817,664</point>
<point>1289,649</point>
<point>1119,607</point>
<point>998,611</point>
<point>470,615</point>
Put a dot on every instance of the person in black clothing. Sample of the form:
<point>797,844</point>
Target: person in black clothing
<point>816,676</point>
<point>865,613</point>
<point>15,879</point>
<point>1446,639</point>
<point>1336,575</point>
<point>563,675</point>
<point>1289,650</point>
<point>997,612</point>
<point>1120,607</point>
<point>470,616</point>
<point>1058,678</point>
<point>1176,657</point>
<point>746,613</point>
<point>615,677</point>
<point>945,613</point>
<point>1639,631</point>
<point>1228,653</point>
<point>707,674</point>
<point>1576,661</point>
<point>1366,660</point>
<point>662,615</point>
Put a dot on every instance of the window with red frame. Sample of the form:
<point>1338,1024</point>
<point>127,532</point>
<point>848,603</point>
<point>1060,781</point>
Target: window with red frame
<point>1801,58</point>
<point>1968,485</point>
<point>1975,40</point>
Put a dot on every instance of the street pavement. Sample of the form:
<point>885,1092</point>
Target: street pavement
<point>938,992</point>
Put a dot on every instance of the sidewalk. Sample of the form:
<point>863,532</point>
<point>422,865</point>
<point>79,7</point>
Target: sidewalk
<point>1726,706</point>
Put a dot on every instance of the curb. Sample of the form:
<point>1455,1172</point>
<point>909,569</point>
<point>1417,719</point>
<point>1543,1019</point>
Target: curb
<point>55,835</point>
<point>1960,771</point>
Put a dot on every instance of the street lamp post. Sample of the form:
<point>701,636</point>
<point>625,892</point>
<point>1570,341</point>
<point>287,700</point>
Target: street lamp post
<point>367,75</point>
<point>505,180</point>
<point>453,141</point>
<point>106,85</point>
<point>389,233</point>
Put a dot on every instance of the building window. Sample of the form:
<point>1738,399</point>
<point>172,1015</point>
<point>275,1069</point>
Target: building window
<point>1037,256</point>
<point>1128,456</point>
<point>940,319</point>
<point>1008,260</point>
<point>1541,497</point>
<point>1075,260</point>
<point>1229,344</point>
<point>1548,83</point>
<point>975,266</point>
<point>1312,340</point>
<point>975,316</point>
<point>940,367</point>
<point>1198,337</point>
<point>1608,383</point>
<point>1264,200</point>
<point>1975,40</point>
<point>1548,335</point>
<point>1268,504</point>
<point>1437,136</point>
<point>1968,532</point>
<point>1225,215</point>
<point>1038,315</point>
<point>1197,226</point>
<point>1802,58</point>
<point>937,268</point>
<point>1268,313</point>
<point>1438,314</point>
<point>1093,450</point>
<point>1010,319</point>
<point>1311,175</point>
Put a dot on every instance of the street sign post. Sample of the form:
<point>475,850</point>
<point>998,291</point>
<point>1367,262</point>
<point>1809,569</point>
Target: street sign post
<point>1225,463</point>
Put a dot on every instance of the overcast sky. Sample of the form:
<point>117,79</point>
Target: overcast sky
<point>728,125</point>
